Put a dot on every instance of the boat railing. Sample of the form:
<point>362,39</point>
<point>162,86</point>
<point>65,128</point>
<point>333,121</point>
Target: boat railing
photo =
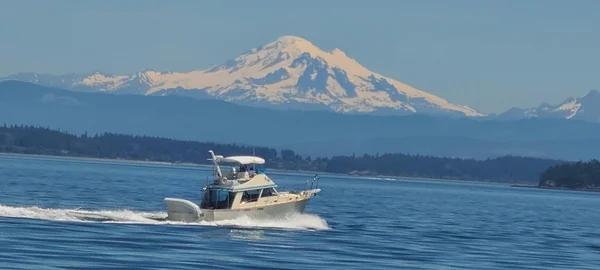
<point>308,185</point>
<point>312,184</point>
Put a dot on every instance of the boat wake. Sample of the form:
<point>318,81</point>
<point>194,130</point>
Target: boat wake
<point>293,222</point>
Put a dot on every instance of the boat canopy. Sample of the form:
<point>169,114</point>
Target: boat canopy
<point>243,160</point>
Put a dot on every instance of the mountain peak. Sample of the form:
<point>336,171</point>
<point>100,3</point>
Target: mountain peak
<point>290,40</point>
<point>288,71</point>
<point>303,45</point>
<point>292,46</point>
<point>585,108</point>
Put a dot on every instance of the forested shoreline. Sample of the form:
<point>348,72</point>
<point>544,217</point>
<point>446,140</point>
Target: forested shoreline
<point>574,175</point>
<point>45,141</point>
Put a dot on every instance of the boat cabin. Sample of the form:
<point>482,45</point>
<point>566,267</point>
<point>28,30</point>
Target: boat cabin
<point>243,186</point>
<point>216,197</point>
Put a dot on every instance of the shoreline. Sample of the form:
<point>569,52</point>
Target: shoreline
<point>206,166</point>
<point>555,188</point>
<point>148,162</point>
<point>187,164</point>
<point>101,159</point>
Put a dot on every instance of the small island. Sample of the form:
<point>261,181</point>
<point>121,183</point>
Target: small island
<point>572,175</point>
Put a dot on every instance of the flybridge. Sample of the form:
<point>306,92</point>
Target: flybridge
<point>234,178</point>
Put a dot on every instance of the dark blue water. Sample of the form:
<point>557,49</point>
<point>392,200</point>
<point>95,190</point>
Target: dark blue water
<point>45,205</point>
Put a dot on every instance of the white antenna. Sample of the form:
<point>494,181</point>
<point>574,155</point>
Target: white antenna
<point>214,159</point>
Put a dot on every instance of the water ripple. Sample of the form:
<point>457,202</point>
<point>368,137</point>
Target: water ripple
<point>95,215</point>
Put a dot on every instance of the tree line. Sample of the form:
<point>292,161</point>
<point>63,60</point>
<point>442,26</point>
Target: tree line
<point>40,140</point>
<point>572,175</point>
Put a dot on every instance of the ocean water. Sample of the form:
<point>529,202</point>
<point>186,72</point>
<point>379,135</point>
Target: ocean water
<point>83,214</point>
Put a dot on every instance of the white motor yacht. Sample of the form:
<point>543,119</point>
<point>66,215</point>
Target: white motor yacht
<point>242,192</point>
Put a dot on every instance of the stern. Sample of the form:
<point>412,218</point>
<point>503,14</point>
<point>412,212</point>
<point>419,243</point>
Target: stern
<point>182,210</point>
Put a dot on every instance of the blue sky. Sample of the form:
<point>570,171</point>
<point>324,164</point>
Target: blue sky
<point>490,55</point>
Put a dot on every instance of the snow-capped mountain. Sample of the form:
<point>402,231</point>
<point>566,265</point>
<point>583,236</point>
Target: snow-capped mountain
<point>288,72</point>
<point>586,108</point>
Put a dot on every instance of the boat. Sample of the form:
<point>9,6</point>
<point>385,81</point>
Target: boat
<point>243,192</point>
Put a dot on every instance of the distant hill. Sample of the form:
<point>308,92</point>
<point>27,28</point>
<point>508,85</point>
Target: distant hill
<point>36,140</point>
<point>310,132</point>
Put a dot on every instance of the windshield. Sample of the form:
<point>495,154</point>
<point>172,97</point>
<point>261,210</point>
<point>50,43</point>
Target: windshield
<point>217,198</point>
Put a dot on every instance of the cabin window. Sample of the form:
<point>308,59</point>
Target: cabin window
<point>218,199</point>
<point>250,195</point>
<point>268,192</point>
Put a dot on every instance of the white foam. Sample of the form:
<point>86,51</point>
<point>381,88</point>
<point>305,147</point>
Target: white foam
<point>294,222</point>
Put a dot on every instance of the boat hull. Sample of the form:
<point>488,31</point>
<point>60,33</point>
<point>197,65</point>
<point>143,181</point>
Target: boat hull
<point>187,211</point>
<point>261,212</point>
